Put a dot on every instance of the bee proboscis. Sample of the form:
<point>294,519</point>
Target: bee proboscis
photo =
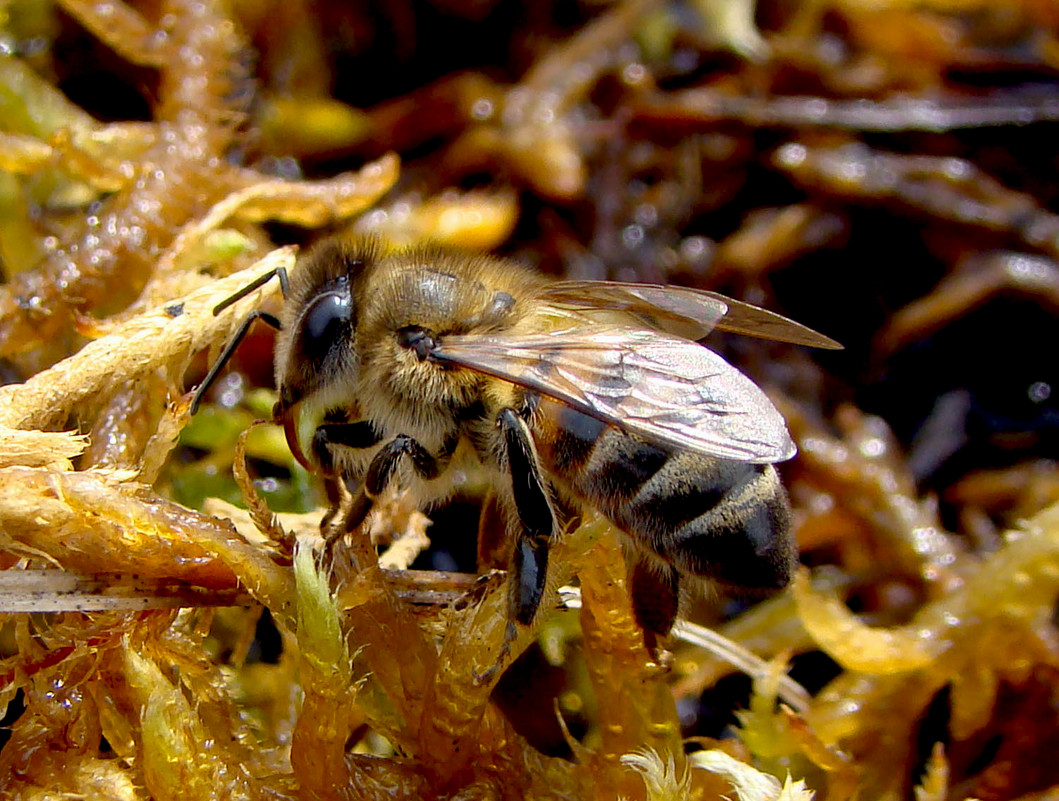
<point>570,394</point>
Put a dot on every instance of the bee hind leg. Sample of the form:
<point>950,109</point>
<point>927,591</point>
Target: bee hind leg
<point>655,591</point>
<point>536,518</point>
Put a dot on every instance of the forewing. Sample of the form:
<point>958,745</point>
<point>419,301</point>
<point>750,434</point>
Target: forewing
<point>682,311</point>
<point>665,389</point>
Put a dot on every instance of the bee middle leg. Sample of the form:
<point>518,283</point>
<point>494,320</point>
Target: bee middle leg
<point>536,518</point>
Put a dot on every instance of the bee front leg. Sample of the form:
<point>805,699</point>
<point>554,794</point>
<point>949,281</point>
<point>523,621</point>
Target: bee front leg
<point>380,474</point>
<point>535,516</point>
<point>361,434</point>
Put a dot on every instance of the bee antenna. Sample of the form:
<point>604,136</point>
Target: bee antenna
<point>233,343</point>
<point>261,280</point>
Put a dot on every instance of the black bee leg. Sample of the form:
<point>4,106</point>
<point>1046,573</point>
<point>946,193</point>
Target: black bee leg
<point>381,471</point>
<point>655,594</point>
<point>535,516</point>
<point>361,434</point>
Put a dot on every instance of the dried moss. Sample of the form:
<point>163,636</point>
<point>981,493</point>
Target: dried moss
<point>874,169</point>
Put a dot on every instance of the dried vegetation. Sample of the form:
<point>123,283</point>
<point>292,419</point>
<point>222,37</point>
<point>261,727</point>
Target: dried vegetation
<point>884,171</point>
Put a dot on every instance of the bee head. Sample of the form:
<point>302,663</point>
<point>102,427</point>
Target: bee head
<point>314,354</point>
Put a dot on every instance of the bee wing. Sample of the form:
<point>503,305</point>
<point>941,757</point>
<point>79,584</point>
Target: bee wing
<point>667,390</point>
<point>682,311</point>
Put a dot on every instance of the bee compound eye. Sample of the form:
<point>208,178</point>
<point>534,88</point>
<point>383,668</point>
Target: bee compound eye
<point>326,321</point>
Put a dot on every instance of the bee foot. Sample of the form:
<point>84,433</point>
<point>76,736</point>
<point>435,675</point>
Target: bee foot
<point>661,661</point>
<point>487,676</point>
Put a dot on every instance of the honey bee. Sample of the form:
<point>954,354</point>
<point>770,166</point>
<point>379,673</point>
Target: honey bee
<point>570,394</point>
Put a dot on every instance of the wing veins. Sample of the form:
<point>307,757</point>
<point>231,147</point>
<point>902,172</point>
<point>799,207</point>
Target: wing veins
<point>683,311</point>
<point>733,419</point>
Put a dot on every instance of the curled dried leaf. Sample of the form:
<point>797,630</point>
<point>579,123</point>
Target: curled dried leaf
<point>467,220</point>
<point>164,337</point>
<point>96,521</point>
<point>853,644</point>
<point>52,449</point>
<point>263,517</point>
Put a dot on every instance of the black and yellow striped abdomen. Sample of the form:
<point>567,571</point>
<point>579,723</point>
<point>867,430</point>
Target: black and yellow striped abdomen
<point>715,518</point>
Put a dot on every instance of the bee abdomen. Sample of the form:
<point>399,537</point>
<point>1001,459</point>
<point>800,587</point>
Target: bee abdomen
<point>716,518</point>
<point>742,538</point>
